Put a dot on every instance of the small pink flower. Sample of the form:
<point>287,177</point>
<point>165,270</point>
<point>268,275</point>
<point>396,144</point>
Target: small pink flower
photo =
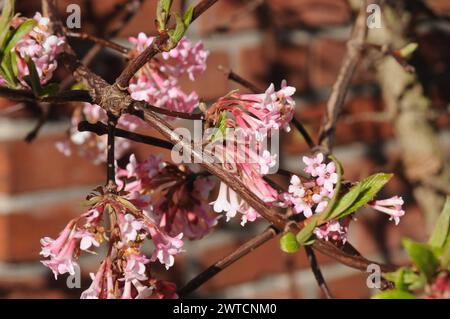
<point>166,247</point>
<point>327,176</point>
<point>129,227</point>
<point>332,230</point>
<point>296,188</point>
<point>87,240</point>
<point>313,164</point>
<point>391,206</point>
<point>94,290</point>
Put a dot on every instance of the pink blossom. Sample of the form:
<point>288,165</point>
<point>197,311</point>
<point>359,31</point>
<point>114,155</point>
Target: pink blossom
<point>130,227</point>
<point>332,230</point>
<point>314,165</point>
<point>166,247</point>
<point>157,83</point>
<point>136,267</point>
<point>296,187</point>
<point>63,262</point>
<point>188,58</point>
<point>41,47</point>
<point>94,290</point>
<point>327,176</point>
<point>87,240</point>
<point>391,206</point>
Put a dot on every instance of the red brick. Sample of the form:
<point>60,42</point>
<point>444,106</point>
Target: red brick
<point>350,287</point>
<point>22,230</point>
<point>212,83</point>
<point>313,13</point>
<point>441,7</point>
<point>226,15</point>
<point>253,65</point>
<point>326,60</point>
<point>39,165</point>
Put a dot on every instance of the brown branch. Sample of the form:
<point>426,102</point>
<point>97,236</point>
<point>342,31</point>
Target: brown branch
<point>157,46</point>
<point>167,112</point>
<point>317,272</point>
<point>225,262</point>
<point>45,110</point>
<point>101,129</point>
<point>341,86</point>
<point>28,96</point>
<point>299,126</point>
<point>102,42</point>
<point>111,161</point>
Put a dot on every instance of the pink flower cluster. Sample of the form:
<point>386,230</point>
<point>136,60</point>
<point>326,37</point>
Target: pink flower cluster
<point>157,82</point>
<point>250,120</point>
<point>90,145</point>
<point>125,271</point>
<point>182,206</point>
<point>41,46</point>
<point>311,197</point>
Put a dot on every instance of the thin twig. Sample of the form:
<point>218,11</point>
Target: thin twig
<point>231,75</point>
<point>228,260</point>
<point>299,126</point>
<point>167,112</point>
<point>316,271</point>
<point>101,129</point>
<point>341,86</point>
<point>111,161</point>
<point>103,42</point>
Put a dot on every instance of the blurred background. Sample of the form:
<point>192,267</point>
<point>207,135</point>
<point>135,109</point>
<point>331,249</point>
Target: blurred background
<point>392,122</point>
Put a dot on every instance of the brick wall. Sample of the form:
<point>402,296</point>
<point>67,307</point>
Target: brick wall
<point>300,40</point>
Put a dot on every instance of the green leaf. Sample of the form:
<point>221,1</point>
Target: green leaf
<point>6,70</point>
<point>346,201</point>
<point>423,257</point>
<point>394,294</point>
<point>13,58</point>
<point>288,243</point>
<point>415,281</point>
<point>303,236</point>
<point>187,18</point>
<point>399,280</point>
<point>366,189</point>
<point>162,13</point>
<point>5,19</point>
<point>178,32</point>
<point>441,229</point>
<point>18,34</point>
<point>33,78</point>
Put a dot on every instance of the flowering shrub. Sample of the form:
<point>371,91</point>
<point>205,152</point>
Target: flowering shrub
<point>148,209</point>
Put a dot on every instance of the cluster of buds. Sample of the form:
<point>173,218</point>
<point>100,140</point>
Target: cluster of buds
<point>157,82</point>
<point>181,206</point>
<point>38,45</point>
<point>125,271</point>
<point>242,124</point>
